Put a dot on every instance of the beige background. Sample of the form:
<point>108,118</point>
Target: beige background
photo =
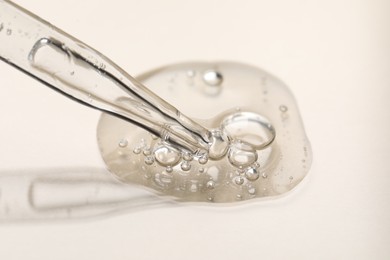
<point>334,55</point>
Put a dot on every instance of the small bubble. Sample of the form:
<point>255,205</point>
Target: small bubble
<point>239,180</point>
<point>203,159</point>
<point>9,31</point>
<point>210,184</point>
<point>147,151</point>
<point>212,78</point>
<point>239,197</point>
<point>194,187</point>
<point>283,108</point>
<point>137,150</point>
<point>201,170</point>
<point>149,160</point>
<point>185,166</point>
<point>252,174</point>
<point>190,73</point>
<point>167,156</point>
<point>123,143</point>
<point>251,190</point>
<point>169,169</point>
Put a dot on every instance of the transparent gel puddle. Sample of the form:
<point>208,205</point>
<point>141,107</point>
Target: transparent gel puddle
<point>239,102</point>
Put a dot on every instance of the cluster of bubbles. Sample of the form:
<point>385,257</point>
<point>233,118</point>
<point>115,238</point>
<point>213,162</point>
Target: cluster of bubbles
<point>200,171</point>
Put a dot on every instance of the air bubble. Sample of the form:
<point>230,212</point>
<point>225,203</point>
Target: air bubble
<point>190,73</point>
<point>252,174</point>
<point>167,156</point>
<point>185,166</point>
<point>283,108</point>
<point>123,143</point>
<point>194,187</point>
<point>149,160</point>
<point>210,184</point>
<point>137,150</point>
<point>147,151</point>
<point>212,78</point>
<point>9,31</point>
<point>203,159</point>
<point>252,191</point>
<point>239,180</point>
<point>241,155</point>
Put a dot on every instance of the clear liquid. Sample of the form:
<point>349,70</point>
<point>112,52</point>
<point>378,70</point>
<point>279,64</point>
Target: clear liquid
<point>245,162</point>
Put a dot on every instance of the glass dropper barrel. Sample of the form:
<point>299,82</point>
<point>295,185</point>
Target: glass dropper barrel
<point>69,66</point>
